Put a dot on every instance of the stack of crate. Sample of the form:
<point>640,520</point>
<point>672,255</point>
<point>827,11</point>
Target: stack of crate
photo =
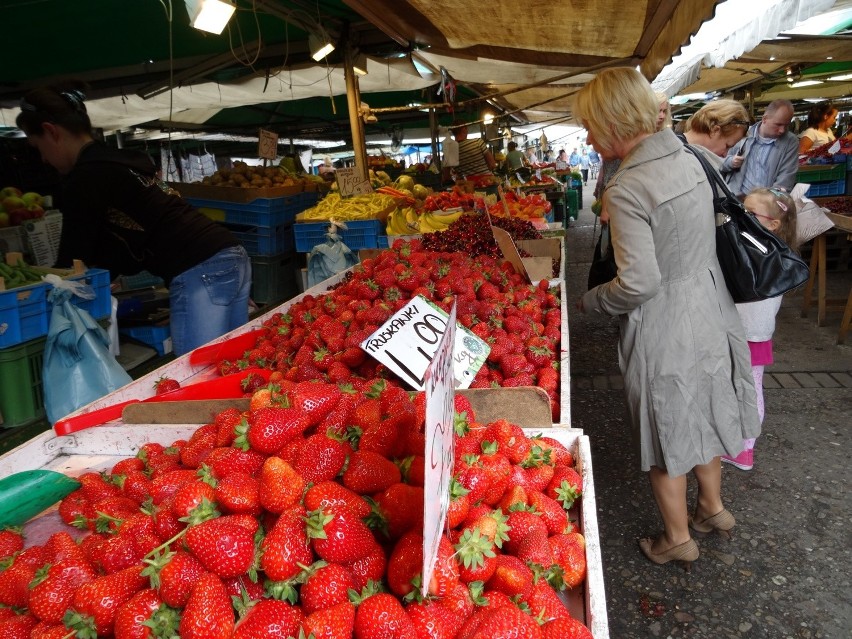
<point>825,179</point>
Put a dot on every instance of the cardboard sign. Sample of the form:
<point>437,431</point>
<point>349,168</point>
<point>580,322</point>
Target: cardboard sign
<point>561,166</point>
<point>408,341</point>
<point>440,404</point>
<point>267,145</point>
<point>834,148</point>
<point>510,251</point>
<point>350,182</point>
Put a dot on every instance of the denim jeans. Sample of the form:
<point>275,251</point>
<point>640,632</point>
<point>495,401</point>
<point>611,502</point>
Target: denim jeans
<point>210,299</point>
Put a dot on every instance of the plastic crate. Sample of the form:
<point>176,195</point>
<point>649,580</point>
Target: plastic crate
<point>140,280</point>
<point>273,278</point>
<point>820,189</point>
<point>820,173</point>
<point>359,234</point>
<point>309,199</point>
<point>99,307</point>
<point>23,315</point>
<point>267,212</point>
<point>21,393</point>
<point>157,337</point>
<point>264,240</point>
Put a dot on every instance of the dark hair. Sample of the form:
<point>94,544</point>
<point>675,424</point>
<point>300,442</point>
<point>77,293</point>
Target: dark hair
<point>818,113</point>
<point>60,105</point>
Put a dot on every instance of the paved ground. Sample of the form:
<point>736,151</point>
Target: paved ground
<point>786,572</point>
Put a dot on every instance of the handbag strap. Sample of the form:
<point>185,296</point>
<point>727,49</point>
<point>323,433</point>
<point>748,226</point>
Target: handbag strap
<point>717,183</point>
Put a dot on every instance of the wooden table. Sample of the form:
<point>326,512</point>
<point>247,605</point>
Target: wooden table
<point>817,275</point>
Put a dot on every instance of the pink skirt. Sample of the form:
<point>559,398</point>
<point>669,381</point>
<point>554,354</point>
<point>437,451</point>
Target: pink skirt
<point>761,353</point>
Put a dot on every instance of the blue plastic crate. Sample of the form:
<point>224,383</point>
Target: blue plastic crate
<point>267,212</point>
<point>23,314</point>
<point>821,189</point>
<point>383,242</point>
<point>264,240</point>
<point>310,199</point>
<point>360,234</point>
<point>157,337</point>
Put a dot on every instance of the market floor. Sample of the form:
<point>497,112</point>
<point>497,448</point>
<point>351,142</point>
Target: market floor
<point>786,572</point>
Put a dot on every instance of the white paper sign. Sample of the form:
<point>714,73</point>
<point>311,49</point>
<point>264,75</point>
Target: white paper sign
<point>561,166</point>
<point>350,182</point>
<point>440,404</point>
<point>267,145</point>
<point>407,342</point>
<point>834,148</point>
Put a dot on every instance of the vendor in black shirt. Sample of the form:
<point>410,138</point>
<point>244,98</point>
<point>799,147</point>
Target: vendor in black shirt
<point>115,216</point>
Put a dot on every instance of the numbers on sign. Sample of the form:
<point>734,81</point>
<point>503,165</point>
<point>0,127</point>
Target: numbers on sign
<point>434,334</point>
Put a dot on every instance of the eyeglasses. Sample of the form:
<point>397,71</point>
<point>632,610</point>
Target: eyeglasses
<point>758,215</point>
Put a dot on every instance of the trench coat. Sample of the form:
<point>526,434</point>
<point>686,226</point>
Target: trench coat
<point>682,349</point>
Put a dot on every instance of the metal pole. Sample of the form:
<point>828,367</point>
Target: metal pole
<point>356,125</point>
<point>433,133</point>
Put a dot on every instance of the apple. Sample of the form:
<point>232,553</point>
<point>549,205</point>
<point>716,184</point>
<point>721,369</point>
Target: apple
<point>4,220</point>
<point>35,211</point>
<point>33,198</point>
<point>13,203</point>
<point>10,191</point>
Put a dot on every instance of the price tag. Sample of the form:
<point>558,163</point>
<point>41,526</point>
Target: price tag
<point>267,145</point>
<point>350,182</point>
<point>510,251</point>
<point>440,404</point>
<point>834,148</point>
<point>408,341</point>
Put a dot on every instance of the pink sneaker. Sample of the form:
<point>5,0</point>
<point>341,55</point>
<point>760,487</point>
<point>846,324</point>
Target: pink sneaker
<point>743,461</point>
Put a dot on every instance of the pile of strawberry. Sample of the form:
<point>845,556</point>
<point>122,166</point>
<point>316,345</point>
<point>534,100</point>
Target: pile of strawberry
<point>304,515</point>
<point>318,337</point>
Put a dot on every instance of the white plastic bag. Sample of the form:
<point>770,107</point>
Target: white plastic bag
<point>811,219</point>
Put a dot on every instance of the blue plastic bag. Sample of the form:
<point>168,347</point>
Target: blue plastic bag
<point>78,366</point>
<point>330,257</point>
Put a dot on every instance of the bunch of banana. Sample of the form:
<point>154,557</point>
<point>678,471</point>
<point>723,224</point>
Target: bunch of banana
<point>431,222</point>
<point>403,221</point>
<point>359,207</point>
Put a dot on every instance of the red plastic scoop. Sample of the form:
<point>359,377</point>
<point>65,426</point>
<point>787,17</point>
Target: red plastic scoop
<point>233,348</point>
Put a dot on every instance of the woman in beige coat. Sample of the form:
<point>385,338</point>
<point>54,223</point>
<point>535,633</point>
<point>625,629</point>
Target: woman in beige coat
<point>682,351</point>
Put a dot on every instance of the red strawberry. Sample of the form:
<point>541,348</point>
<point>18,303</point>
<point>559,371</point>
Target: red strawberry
<point>336,622</point>
<point>191,495</point>
<point>14,583</point>
<point>476,557</point>
<point>381,616</point>
<point>222,546</point>
<point>398,509</point>
<point>165,385</point>
<point>544,603</point>
<point>280,485</point>
<point>131,617</point>
<point>565,628</point>
<point>369,472</point>
<point>432,620</point>
<point>504,622</point>
<point>406,563</point>
<point>51,596</point>
<point>208,613</point>
<point>166,485</point>
<point>325,586</point>
<point>321,457</point>
<point>565,486</point>
<point>238,493</point>
<point>329,494</point>
<point>270,428</point>
<point>315,400</point>
<point>18,626</point>
<point>76,509</point>
<point>199,446</point>
<point>560,456</point>
<point>510,439</point>
<point>270,618</point>
<point>286,546</point>
<point>226,460</point>
<point>175,579</point>
<point>521,522</point>
<point>490,523</point>
<point>552,513</point>
<point>368,568</point>
<point>569,552</point>
<point>512,577</point>
<point>338,535</point>
<point>97,602</point>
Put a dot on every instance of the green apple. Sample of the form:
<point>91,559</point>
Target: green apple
<point>9,191</point>
<point>32,198</point>
<point>4,219</point>
<point>12,203</point>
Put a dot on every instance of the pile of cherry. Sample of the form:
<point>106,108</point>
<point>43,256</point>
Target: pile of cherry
<point>303,516</point>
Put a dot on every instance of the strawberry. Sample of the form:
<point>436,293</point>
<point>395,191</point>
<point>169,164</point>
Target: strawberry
<point>560,455</point>
<point>136,485</point>
<point>510,439</point>
<point>238,492</point>
<point>208,613</point>
<point>96,603</point>
<point>190,496</point>
<point>381,616</point>
<point>565,628</point>
<point>476,557</point>
<point>174,575</point>
<point>52,593</point>
<point>270,618</point>
<point>544,603</point>
<point>132,618</point>
<point>321,457</point>
<point>19,626</point>
<point>398,509</point>
<point>371,567</point>
<point>14,583</point>
<point>280,486</point>
<point>338,535</point>
<point>315,400</point>
<point>329,494</point>
<point>490,523</point>
<point>270,428</point>
<point>286,546</point>
<point>565,486</point>
<point>432,620</point>
<point>226,424</point>
<point>325,585</point>
<point>406,563</point>
<point>552,513</point>
<point>243,587</point>
<point>223,461</point>
<point>534,549</point>
<point>472,476</point>
<point>222,546</point>
<point>165,385</point>
<point>512,577</point>
<point>336,622</point>
<point>167,484</point>
<point>569,553</point>
<point>76,507</point>
<point>199,446</point>
<point>522,522</point>
<point>504,622</point>
<point>369,472</point>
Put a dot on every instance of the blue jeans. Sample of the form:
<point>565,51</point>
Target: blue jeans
<point>210,299</point>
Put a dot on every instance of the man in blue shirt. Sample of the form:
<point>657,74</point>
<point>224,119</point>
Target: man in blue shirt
<point>768,156</point>
<point>574,160</point>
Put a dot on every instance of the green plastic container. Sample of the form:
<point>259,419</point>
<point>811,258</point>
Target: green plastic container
<point>21,393</point>
<point>273,278</point>
<point>572,200</point>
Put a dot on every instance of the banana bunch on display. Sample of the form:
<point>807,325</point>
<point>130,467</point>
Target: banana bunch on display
<point>358,207</point>
<point>404,221</point>
<point>436,221</point>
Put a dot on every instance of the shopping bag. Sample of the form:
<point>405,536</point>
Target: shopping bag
<point>78,367</point>
<point>330,257</point>
<point>603,268</point>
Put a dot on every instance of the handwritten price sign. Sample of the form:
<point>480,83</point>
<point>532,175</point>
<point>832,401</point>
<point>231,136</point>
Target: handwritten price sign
<point>267,145</point>
<point>408,341</point>
<point>350,182</point>
<point>440,404</point>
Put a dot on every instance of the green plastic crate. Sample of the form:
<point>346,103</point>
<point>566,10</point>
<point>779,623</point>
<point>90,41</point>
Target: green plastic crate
<point>820,173</point>
<point>273,278</point>
<point>21,393</point>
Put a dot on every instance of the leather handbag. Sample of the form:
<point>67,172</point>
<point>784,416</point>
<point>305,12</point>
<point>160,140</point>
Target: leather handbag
<point>603,268</point>
<point>756,263</point>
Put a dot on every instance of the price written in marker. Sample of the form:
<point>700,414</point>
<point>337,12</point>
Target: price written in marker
<point>267,145</point>
<point>440,404</point>
<point>408,341</point>
<point>350,182</point>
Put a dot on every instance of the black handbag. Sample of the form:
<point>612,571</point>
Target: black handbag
<point>756,263</point>
<point>603,268</point>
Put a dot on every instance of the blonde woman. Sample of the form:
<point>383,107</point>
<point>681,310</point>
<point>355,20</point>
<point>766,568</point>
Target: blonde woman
<point>682,351</point>
<point>718,126</point>
<point>664,113</point>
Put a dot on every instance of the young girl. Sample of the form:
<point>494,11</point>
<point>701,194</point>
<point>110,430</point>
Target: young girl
<point>777,212</point>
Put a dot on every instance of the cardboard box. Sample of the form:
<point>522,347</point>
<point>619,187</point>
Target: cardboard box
<point>233,193</point>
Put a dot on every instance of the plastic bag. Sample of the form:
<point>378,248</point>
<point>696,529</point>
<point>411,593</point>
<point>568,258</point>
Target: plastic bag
<point>329,258</point>
<point>78,367</point>
<point>811,219</point>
